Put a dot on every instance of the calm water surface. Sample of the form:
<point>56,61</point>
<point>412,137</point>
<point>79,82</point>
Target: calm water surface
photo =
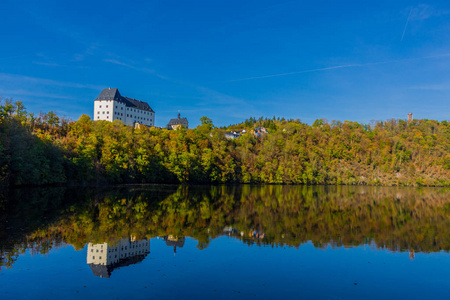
<point>241,242</point>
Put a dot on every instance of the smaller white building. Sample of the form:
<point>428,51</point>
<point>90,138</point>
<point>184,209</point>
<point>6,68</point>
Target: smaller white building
<point>110,106</point>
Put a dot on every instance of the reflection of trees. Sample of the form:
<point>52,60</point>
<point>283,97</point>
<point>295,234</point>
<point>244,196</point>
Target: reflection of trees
<point>25,220</point>
<point>392,218</point>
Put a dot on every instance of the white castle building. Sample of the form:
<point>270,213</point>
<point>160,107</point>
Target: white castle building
<point>103,258</point>
<point>110,106</point>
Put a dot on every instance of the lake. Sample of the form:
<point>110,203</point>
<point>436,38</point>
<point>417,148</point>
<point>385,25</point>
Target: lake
<point>240,242</point>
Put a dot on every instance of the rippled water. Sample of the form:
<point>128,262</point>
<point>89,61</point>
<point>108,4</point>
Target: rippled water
<point>261,242</point>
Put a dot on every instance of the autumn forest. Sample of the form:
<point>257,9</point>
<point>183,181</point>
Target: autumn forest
<point>45,149</point>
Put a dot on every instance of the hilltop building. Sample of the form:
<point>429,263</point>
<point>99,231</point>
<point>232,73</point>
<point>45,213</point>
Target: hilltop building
<point>175,124</point>
<point>231,135</point>
<point>410,117</point>
<point>258,131</point>
<point>103,258</point>
<point>110,106</point>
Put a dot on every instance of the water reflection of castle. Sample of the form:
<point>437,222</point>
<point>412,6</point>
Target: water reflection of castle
<point>174,241</point>
<point>103,258</point>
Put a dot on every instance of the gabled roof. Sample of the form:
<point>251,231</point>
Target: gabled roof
<point>137,104</point>
<point>110,94</point>
<point>177,121</point>
<point>101,270</point>
<point>113,94</point>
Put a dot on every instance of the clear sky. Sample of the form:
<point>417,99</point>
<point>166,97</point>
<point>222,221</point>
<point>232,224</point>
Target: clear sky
<point>230,60</point>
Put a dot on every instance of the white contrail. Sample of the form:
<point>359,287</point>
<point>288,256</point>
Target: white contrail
<point>297,72</point>
<point>342,67</point>
<point>406,25</point>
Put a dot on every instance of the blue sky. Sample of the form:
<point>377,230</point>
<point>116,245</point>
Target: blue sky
<point>230,60</point>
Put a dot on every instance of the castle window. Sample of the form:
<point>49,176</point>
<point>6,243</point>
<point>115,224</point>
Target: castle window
<point>106,106</point>
<point>127,115</point>
<point>100,257</point>
<point>98,117</point>
<point>98,113</point>
<point>93,257</point>
<point>100,106</point>
<point>116,106</point>
<point>107,112</point>
<point>103,112</point>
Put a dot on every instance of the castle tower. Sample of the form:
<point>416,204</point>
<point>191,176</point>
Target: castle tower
<point>410,117</point>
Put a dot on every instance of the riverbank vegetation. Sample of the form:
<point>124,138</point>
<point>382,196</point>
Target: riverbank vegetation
<point>46,149</point>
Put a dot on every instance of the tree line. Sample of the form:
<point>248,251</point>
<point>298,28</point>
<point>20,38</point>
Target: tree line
<point>47,149</point>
